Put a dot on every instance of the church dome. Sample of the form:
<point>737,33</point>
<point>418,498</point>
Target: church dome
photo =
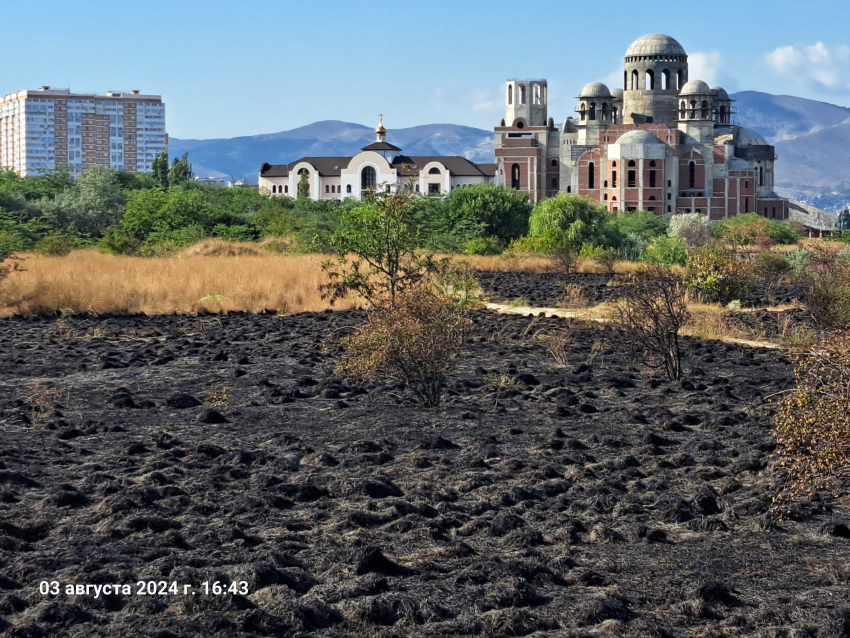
<point>695,87</point>
<point>655,44</point>
<point>748,137</point>
<point>720,93</point>
<point>617,94</point>
<point>638,137</point>
<point>595,89</point>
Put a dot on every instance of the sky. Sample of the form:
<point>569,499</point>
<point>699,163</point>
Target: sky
<point>228,69</point>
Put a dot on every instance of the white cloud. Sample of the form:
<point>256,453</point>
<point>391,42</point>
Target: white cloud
<point>816,64</point>
<point>484,101</point>
<point>705,66</point>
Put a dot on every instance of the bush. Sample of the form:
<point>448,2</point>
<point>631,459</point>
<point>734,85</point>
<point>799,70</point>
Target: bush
<point>484,246</point>
<point>828,296</point>
<point>798,261</point>
<point>569,220</point>
<point>666,251</point>
<point>715,274</point>
<point>495,211</point>
<point>783,233</point>
<point>649,315</point>
<point>769,269</point>
<point>606,259</point>
<point>564,258</point>
<point>55,244</point>
<point>644,223</point>
<point>413,341</point>
<point>812,427</point>
<point>693,228</point>
<point>117,242</point>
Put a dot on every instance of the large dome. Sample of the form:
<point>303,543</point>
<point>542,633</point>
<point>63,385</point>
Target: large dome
<point>695,87</point>
<point>638,137</point>
<point>720,93</point>
<point>748,137</point>
<point>595,89</point>
<point>655,44</point>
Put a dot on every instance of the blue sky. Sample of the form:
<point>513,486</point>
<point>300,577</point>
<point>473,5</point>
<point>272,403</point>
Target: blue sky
<point>229,68</point>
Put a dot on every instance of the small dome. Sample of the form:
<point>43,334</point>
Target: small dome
<point>655,44</point>
<point>720,93</point>
<point>617,94</point>
<point>381,130</point>
<point>638,137</point>
<point>695,87</point>
<point>595,89</point>
<point>738,164</point>
<point>748,137</point>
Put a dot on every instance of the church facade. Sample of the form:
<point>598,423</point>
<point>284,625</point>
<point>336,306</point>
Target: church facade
<point>663,142</point>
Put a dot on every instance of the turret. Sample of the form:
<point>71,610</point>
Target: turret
<point>526,100</point>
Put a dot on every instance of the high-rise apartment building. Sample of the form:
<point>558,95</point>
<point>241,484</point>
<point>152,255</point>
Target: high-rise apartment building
<point>54,128</point>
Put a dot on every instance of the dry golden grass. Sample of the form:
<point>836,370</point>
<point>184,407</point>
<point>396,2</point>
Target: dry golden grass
<point>88,282</point>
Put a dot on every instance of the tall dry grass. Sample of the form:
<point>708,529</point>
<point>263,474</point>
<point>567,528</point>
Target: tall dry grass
<point>197,279</point>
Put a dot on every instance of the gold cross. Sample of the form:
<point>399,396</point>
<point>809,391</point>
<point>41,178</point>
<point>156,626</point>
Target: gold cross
<point>382,117</point>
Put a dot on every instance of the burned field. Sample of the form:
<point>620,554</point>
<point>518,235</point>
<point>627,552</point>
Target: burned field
<point>591,498</point>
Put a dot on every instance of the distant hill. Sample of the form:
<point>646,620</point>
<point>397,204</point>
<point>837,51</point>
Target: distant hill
<point>812,141</point>
<point>241,157</point>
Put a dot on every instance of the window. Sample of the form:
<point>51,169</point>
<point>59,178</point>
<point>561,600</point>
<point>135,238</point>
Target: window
<point>669,209</point>
<point>631,179</point>
<point>706,114</point>
<point>368,178</point>
<point>569,189</point>
<point>348,188</point>
<point>692,174</point>
<point>510,94</point>
<point>650,80</point>
<point>613,179</point>
<point>433,189</point>
<point>680,79</point>
<point>631,163</point>
<point>634,80</point>
<point>554,183</point>
<point>652,179</point>
<point>522,94</point>
<point>761,175</point>
<point>434,171</point>
<point>605,197</point>
<point>327,188</point>
<point>746,204</point>
<point>274,188</point>
<point>669,183</point>
<point>669,196</point>
<point>592,111</point>
<point>554,163</point>
<point>746,183</point>
<point>652,198</point>
<point>537,98</point>
<point>693,110</point>
<point>665,80</point>
<point>286,189</point>
<point>591,177</point>
<point>614,164</point>
<point>515,176</point>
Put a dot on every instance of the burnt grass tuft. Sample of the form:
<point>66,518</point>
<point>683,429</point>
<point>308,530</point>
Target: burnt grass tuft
<point>589,499</point>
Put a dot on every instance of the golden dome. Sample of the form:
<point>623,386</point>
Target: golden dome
<point>381,130</point>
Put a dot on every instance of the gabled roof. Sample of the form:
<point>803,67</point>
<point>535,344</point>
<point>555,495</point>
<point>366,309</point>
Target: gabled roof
<point>456,165</point>
<point>326,166</point>
<point>381,146</point>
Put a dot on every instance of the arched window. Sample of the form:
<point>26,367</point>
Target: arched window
<point>510,94</point>
<point>652,198</point>
<point>605,197</point>
<point>554,183</point>
<point>615,115</point>
<point>274,188</point>
<point>515,176</point>
<point>669,183</point>
<point>631,163</point>
<point>368,178</point>
<point>537,99</point>
<point>665,79</point>
<point>554,163</point>
<point>613,179</point>
<point>761,175</point>
<point>434,171</point>
<point>417,188</point>
<point>705,111</point>
<point>605,184</point>
<point>569,189</point>
<point>348,188</point>
<point>692,174</point>
<point>522,94</point>
<point>651,178</point>
<point>614,164</point>
<point>652,163</point>
<point>650,79</point>
<point>746,204</point>
<point>669,209</point>
<point>581,112</point>
<point>634,80</point>
<point>591,175</point>
<point>723,114</point>
<point>625,80</point>
<point>693,111</point>
<point>680,79</point>
<point>746,183</point>
<point>592,111</point>
<point>669,196</point>
<point>327,188</point>
<point>682,110</point>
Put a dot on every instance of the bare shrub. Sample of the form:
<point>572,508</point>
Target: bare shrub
<point>693,228</point>
<point>564,258</point>
<point>573,297</point>
<point>606,259</point>
<point>557,343</point>
<point>649,315</point>
<point>812,427</point>
<point>828,296</point>
<point>413,341</point>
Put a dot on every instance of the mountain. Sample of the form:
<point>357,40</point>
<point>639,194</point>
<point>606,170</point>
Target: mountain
<point>241,157</point>
<point>812,140</point>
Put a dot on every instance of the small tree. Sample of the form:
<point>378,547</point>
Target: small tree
<point>413,341</point>
<point>377,251</point>
<point>649,315</point>
<point>569,220</point>
<point>715,274</point>
<point>812,428</point>
<point>180,171</point>
<point>693,228</point>
<point>303,185</point>
<point>159,168</point>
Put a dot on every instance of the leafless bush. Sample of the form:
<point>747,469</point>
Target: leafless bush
<point>649,316</point>
<point>557,344</point>
<point>413,341</point>
<point>573,297</point>
<point>564,258</point>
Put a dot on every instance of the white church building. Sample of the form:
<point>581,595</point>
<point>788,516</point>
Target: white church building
<point>379,164</point>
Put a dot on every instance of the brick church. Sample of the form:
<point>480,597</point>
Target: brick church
<point>663,142</point>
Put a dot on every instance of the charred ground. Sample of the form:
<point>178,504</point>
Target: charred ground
<point>594,498</point>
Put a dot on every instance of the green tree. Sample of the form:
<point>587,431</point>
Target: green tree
<point>153,215</point>
<point>180,171</point>
<point>570,220</point>
<point>488,210</point>
<point>92,204</point>
<point>304,185</point>
<point>159,167</point>
<point>381,236</point>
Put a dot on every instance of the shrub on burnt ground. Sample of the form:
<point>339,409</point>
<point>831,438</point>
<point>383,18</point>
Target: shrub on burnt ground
<point>828,287</point>
<point>649,315</point>
<point>413,341</point>
<point>812,423</point>
<point>716,275</point>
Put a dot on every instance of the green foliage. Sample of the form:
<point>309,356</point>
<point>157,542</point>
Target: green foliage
<point>746,228</point>
<point>569,220</point>
<point>161,213</point>
<point>643,223</point>
<point>117,242</point>
<point>384,241</point>
<point>494,211</point>
<point>666,251</point>
<point>56,244</point>
<point>484,246</point>
<point>180,171</point>
<point>798,261</point>
<point>693,228</point>
<point>159,166</point>
<point>304,185</point>
<point>782,233</point>
<point>94,203</point>
<point>715,274</point>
